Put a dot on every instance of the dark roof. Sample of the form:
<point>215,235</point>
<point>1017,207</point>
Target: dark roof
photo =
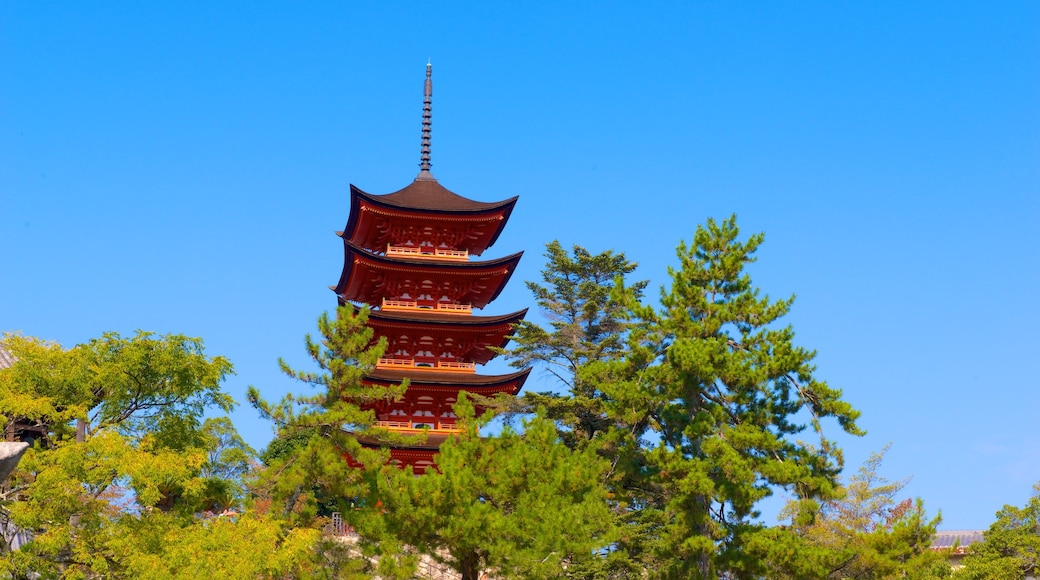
<point>444,265</point>
<point>428,194</point>
<point>445,319</point>
<point>962,538</point>
<point>462,380</point>
<point>430,200</point>
<point>433,442</point>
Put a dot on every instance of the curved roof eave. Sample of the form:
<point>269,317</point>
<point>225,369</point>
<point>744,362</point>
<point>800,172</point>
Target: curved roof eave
<point>430,195</point>
<point>447,320</point>
<point>511,259</point>
<point>460,380</point>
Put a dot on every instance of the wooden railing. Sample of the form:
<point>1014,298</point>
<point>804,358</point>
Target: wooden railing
<point>412,305</point>
<point>456,366</point>
<point>399,304</point>
<point>418,425</point>
<point>427,252</point>
<point>411,364</point>
<point>449,308</point>
<point>395,363</point>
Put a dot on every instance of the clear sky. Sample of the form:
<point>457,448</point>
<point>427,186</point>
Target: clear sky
<point>181,167</point>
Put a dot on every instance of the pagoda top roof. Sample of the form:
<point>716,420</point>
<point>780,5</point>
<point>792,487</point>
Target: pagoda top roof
<point>427,194</point>
<point>427,201</point>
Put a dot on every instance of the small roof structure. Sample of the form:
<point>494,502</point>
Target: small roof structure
<point>10,452</point>
<point>6,358</point>
<point>946,540</point>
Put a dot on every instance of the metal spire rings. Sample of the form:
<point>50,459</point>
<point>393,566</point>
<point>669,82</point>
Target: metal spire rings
<point>427,115</point>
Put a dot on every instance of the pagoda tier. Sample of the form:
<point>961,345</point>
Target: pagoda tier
<point>419,457</point>
<point>372,278</point>
<point>426,215</point>
<point>431,397</point>
<point>428,338</point>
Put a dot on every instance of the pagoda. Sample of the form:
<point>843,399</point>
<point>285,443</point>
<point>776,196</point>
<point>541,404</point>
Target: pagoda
<point>409,255</point>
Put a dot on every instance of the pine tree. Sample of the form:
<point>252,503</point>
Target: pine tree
<point>586,298</point>
<point>725,389</point>
<point>519,505</point>
<point>307,475</point>
<point>522,504</point>
<point>696,403</point>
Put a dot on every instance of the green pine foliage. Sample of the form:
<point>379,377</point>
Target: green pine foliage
<point>510,502</point>
<point>307,475</point>
<point>670,424</point>
<point>698,404</point>
<point>729,387</point>
<point>587,320</point>
<point>522,505</point>
<point>586,299</point>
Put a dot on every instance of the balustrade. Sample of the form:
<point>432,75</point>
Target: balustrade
<point>412,364</point>
<point>419,425</point>
<point>413,305</point>
<point>427,252</point>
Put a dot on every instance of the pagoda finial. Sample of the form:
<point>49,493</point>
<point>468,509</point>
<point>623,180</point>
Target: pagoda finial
<point>427,115</point>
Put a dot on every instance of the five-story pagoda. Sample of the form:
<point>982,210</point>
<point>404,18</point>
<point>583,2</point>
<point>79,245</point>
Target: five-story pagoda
<point>407,255</point>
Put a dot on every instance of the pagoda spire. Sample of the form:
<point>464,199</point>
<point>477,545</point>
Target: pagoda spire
<point>427,115</point>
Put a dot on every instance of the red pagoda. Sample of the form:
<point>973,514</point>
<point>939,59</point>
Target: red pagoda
<point>407,255</point>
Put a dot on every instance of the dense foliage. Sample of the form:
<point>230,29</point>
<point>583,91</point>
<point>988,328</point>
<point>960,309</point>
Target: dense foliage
<point>698,402</point>
<point>137,492</point>
<point>863,532</point>
<point>669,425</point>
<point>511,502</point>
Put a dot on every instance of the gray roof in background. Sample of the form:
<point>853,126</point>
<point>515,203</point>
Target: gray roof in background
<point>962,538</point>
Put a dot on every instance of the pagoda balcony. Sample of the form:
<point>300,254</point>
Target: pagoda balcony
<point>419,426</point>
<point>440,366</point>
<point>414,306</point>
<point>426,252</point>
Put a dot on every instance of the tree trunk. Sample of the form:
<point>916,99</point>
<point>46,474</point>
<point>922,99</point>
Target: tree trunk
<point>469,566</point>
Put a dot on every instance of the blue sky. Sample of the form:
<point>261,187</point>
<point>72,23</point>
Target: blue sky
<point>181,168</point>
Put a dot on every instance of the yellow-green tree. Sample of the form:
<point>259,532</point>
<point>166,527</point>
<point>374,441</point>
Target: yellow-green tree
<point>126,494</point>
